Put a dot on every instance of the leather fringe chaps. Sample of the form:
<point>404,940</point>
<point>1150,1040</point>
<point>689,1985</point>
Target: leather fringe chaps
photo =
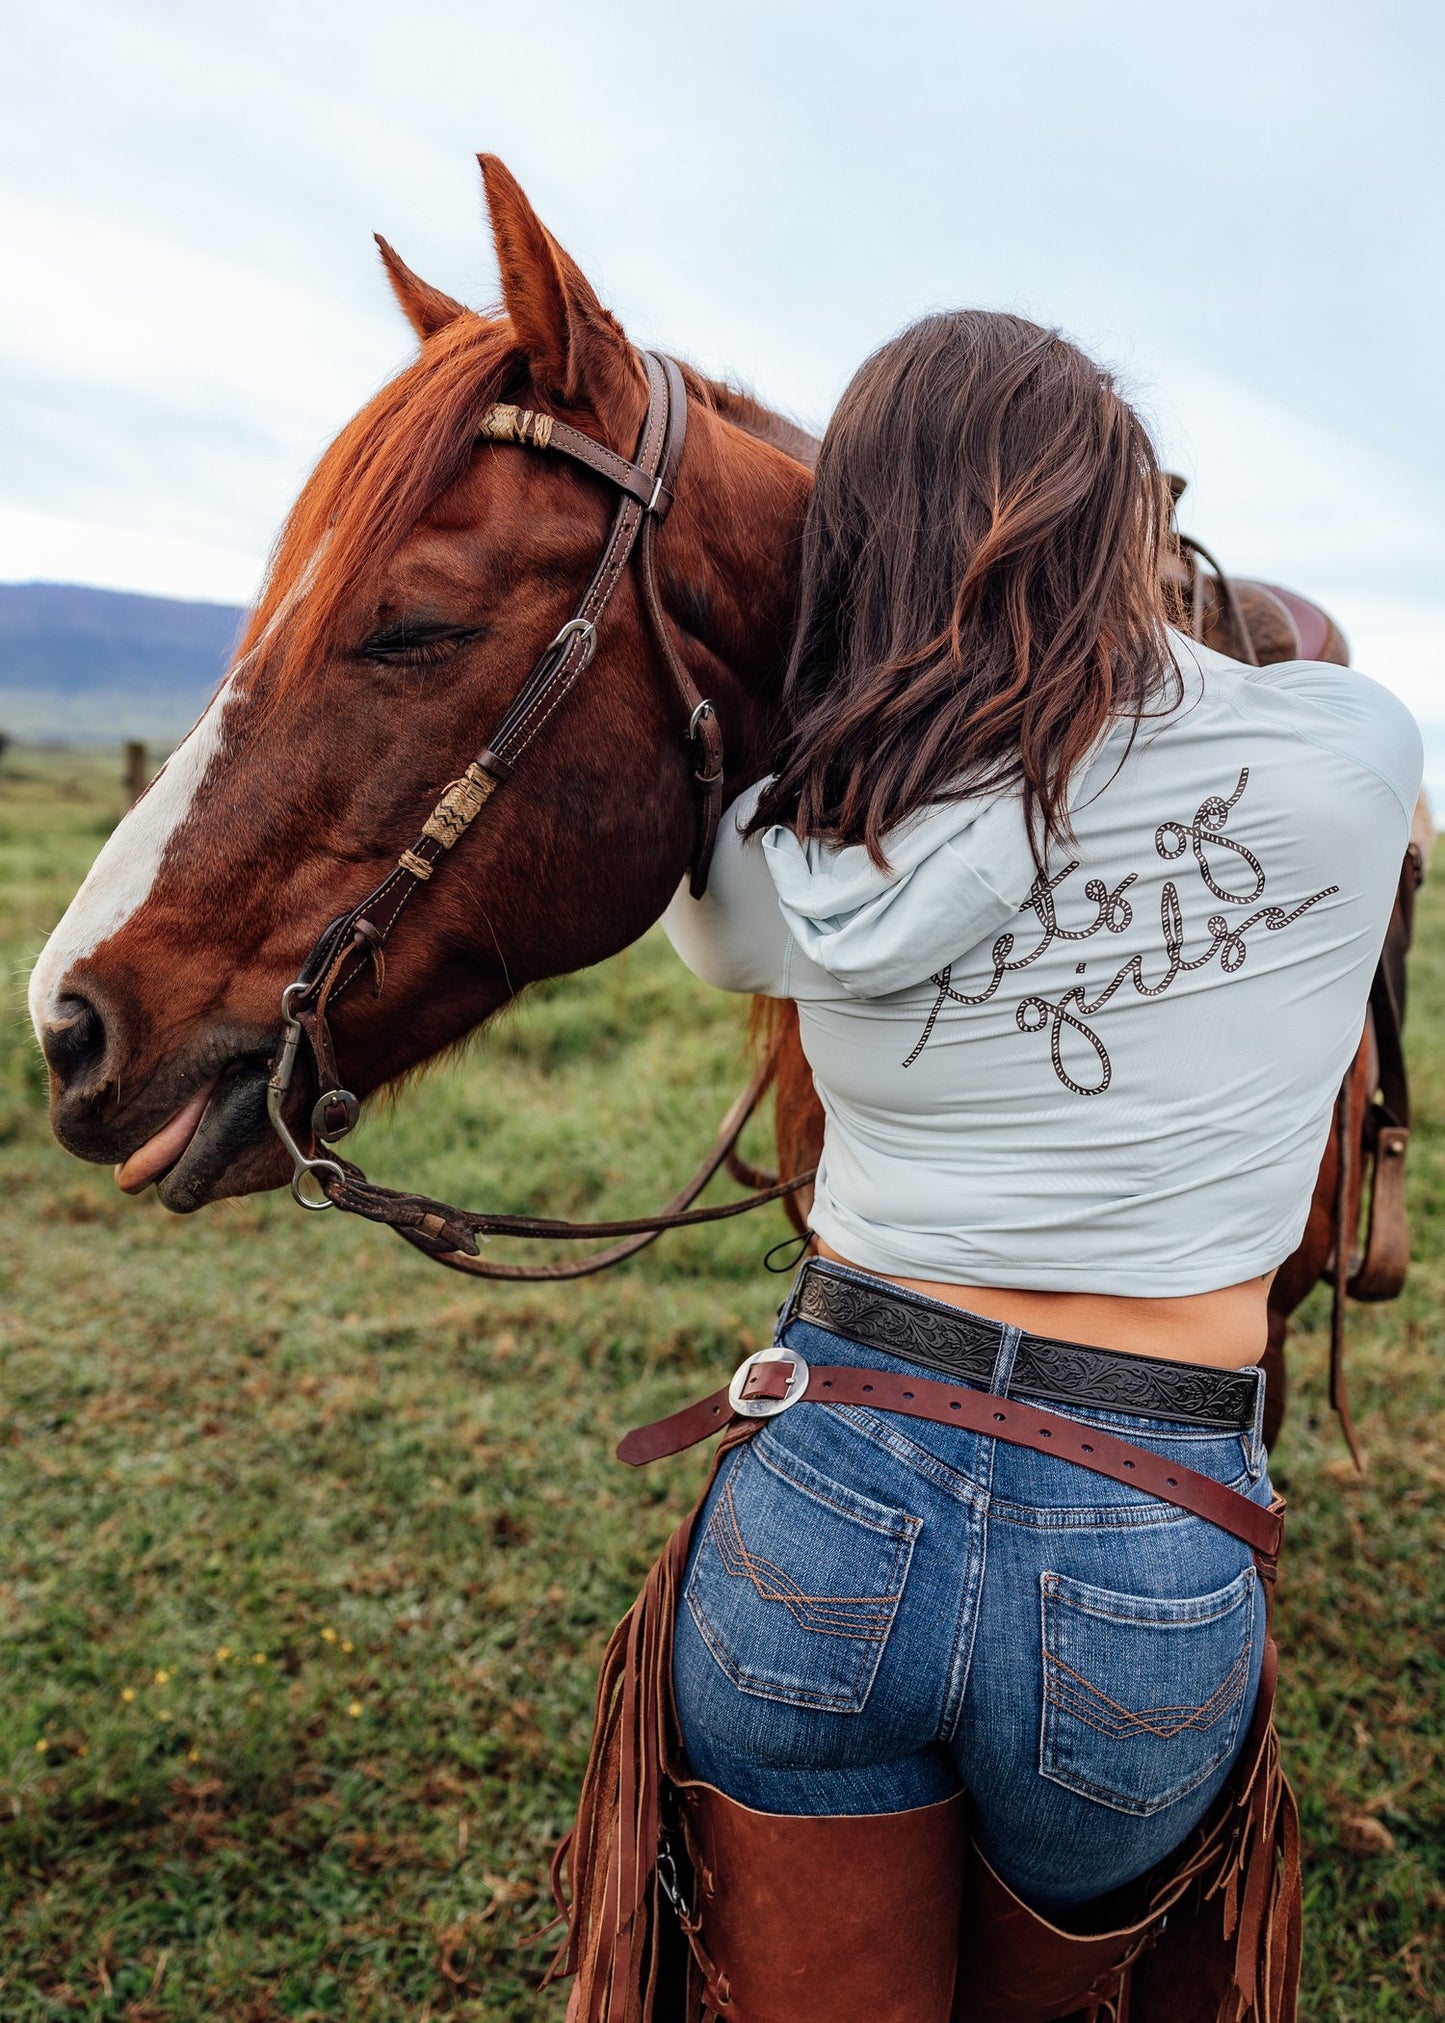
<point>685,1907</point>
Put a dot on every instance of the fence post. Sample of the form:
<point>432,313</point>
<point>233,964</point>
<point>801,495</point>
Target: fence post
<point>135,770</point>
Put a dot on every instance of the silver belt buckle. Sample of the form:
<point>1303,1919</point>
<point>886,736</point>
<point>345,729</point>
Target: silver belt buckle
<point>767,1408</point>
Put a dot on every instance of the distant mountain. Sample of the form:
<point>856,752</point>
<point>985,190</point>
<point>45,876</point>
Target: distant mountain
<point>97,666</point>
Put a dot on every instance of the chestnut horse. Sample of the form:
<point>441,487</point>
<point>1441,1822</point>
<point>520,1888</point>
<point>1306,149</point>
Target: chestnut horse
<point>416,580</point>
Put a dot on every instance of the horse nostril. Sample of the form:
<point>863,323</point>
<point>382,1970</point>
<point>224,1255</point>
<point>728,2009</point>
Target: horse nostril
<point>75,1038</point>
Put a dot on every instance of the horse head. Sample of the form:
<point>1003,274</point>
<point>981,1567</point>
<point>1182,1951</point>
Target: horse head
<point>419,576</point>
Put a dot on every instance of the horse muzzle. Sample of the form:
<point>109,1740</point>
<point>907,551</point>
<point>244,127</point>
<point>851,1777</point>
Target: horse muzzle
<point>195,1123</point>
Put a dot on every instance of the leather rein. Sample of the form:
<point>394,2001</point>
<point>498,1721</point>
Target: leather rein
<point>354,944</point>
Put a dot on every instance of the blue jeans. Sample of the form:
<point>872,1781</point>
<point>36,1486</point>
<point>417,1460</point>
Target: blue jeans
<point>877,1610</point>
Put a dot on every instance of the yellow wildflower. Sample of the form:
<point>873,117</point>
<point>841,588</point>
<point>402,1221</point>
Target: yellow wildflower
<point>347,1645</point>
<point>163,1677</point>
<point>328,1635</point>
<point>42,1745</point>
<point>354,1709</point>
<point>127,1692</point>
<point>223,1653</point>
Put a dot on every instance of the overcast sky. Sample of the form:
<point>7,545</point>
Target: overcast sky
<point>1239,206</point>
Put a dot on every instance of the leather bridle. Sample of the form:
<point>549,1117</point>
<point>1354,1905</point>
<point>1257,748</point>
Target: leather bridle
<point>356,941</point>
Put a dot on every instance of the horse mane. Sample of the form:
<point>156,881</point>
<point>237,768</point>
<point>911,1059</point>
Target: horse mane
<point>373,483</point>
<point>735,404</point>
<point>406,447</point>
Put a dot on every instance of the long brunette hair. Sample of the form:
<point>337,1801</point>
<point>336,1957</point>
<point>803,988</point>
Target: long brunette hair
<point>981,586</point>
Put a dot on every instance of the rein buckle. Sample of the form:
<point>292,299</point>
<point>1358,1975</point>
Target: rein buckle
<point>334,1115</point>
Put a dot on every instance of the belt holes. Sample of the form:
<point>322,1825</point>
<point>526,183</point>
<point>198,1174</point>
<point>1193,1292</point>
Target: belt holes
<point>1171,1481</point>
<point>1044,1433</point>
<point>908,1394</point>
<point>868,1387</point>
<point>954,1406</point>
<point>1086,1446</point>
<point>827,1383</point>
<point>1000,1416</point>
<point>1128,1464</point>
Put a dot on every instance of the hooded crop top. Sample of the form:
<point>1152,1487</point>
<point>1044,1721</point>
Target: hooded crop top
<point>1116,1076</point>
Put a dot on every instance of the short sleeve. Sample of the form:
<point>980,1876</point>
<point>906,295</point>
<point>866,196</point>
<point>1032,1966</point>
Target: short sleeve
<point>734,937</point>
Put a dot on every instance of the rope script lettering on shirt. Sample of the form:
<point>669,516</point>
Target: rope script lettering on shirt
<point>1113,914</point>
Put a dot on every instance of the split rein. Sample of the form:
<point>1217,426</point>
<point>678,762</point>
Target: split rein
<point>354,944</point>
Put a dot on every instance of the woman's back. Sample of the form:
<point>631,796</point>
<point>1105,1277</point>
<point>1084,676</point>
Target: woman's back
<point>1116,1076</point>
<point>1080,922</point>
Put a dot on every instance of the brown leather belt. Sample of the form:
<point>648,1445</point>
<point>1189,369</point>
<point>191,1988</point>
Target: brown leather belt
<point>964,1345</point>
<point>775,1380</point>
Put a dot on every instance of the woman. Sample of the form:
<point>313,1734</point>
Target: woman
<point>1080,921</point>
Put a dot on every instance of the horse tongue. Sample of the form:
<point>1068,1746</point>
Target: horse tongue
<point>159,1154</point>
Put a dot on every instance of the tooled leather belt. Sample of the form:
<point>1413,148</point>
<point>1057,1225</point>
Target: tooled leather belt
<point>777,1379</point>
<point>965,1346</point>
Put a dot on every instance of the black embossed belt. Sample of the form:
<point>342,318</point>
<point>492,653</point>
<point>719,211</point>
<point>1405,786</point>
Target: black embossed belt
<point>965,1346</point>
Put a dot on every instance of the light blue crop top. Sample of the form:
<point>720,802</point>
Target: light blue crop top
<point>1117,1077</point>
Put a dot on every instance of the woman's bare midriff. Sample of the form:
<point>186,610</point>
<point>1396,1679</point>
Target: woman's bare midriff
<point>1226,1329</point>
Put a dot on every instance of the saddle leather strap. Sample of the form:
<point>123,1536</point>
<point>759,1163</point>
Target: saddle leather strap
<point>1381,1272</point>
<point>1197,551</point>
<point>1382,1133</point>
<point>772,1377</point>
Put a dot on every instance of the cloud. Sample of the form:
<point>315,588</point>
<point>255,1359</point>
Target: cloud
<point>1240,218</point>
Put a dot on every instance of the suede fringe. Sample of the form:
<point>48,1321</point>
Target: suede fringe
<point>1247,1864</point>
<point>606,1877</point>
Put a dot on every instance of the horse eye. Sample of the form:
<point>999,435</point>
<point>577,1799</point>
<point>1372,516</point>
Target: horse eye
<point>417,645</point>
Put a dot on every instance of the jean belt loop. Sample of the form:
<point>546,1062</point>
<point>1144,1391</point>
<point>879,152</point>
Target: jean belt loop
<point>1003,1362</point>
<point>787,1312</point>
<point>1258,1455</point>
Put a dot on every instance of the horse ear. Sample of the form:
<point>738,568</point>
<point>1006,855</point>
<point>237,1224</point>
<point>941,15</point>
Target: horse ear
<point>425,308</point>
<point>577,351</point>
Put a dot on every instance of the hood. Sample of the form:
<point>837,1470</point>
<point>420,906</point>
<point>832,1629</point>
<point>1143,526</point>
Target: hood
<point>956,873</point>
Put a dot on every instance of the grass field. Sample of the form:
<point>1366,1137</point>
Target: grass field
<point>311,1548</point>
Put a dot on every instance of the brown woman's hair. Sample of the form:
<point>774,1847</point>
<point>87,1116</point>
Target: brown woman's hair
<point>981,584</point>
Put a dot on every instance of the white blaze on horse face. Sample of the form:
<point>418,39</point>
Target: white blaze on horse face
<point>122,876</point>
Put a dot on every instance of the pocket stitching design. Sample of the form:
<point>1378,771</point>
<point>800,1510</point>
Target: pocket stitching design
<point>1147,1720</point>
<point>743,1564</point>
<point>1059,1698</point>
<point>896,1533</point>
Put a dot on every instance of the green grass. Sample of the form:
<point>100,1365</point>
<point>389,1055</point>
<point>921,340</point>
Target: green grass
<point>312,1548</point>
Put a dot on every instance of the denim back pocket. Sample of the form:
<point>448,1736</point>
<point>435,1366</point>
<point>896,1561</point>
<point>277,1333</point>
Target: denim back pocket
<point>1142,1699</point>
<point>795,1581</point>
